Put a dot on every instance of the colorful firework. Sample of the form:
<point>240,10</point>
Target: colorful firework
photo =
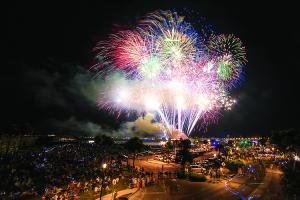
<point>169,70</point>
<point>230,56</point>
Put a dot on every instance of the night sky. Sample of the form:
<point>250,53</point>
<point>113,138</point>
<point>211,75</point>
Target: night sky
<point>46,85</point>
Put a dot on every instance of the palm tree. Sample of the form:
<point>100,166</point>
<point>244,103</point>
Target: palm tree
<point>184,155</point>
<point>220,147</point>
<point>106,145</point>
<point>168,148</point>
<point>134,145</point>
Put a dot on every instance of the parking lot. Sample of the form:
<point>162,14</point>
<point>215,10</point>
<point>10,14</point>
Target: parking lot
<point>159,160</point>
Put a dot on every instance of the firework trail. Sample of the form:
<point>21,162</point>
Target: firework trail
<point>165,66</point>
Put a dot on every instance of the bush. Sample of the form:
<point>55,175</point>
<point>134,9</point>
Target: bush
<point>233,165</point>
<point>197,177</point>
<point>181,173</point>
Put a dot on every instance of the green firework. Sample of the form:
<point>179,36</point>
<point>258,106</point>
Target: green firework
<point>150,67</point>
<point>224,71</point>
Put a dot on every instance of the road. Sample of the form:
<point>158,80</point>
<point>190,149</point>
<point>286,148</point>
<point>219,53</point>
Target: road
<point>150,164</point>
<point>182,189</point>
<point>267,188</point>
<point>206,155</point>
<point>270,187</point>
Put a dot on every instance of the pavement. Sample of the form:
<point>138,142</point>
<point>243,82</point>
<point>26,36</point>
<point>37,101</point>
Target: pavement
<point>270,189</point>
<point>181,189</point>
<point>244,188</point>
<point>152,192</point>
<point>240,188</point>
<point>120,193</point>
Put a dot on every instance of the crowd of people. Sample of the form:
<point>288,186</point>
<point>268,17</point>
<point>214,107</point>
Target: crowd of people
<point>55,172</point>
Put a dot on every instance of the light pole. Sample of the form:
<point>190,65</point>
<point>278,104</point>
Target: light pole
<point>103,170</point>
<point>296,159</point>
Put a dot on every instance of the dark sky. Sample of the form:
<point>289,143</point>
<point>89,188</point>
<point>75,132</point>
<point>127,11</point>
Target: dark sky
<point>50,51</point>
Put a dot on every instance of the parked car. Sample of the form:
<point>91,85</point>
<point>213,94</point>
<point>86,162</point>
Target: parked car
<point>195,166</point>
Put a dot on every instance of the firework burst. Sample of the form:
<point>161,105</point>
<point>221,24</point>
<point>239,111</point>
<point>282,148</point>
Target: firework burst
<point>168,70</point>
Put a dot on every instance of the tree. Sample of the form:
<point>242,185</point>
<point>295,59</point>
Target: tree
<point>184,155</point>
<point>104,141</point>
<point>169,145</point>
<point>288,141</point>
<point>290,180</point>
<point>185,144</point>
<point>107,147</point>
<point>230,143</point>
<point>220,147</point>
<point>227,152</point>
<point>134,145</point>
<point>263,141</point>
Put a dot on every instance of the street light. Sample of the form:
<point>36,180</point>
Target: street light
<point>296,159</point>
<point>215,155</point>
<point>103,168</point>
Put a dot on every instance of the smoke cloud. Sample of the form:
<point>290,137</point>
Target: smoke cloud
<point>65,102</point>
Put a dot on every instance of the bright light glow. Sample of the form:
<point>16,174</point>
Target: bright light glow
<point>208,67</point>
<point>122,96</point>
<point>104,166</point>
<point>151,103</point>
<point>175,85</point>
<point>166,67</point>
<point>203,101</point>
<point>180,102</point>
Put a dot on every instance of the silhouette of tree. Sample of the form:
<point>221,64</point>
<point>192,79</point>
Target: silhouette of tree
<point>104,141</point>
<point>286,140</point>
<point>134,146</point>
<point>184,155</point>
<point>289,142</point>
<point>263,141</point>
<point>107,147</point>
